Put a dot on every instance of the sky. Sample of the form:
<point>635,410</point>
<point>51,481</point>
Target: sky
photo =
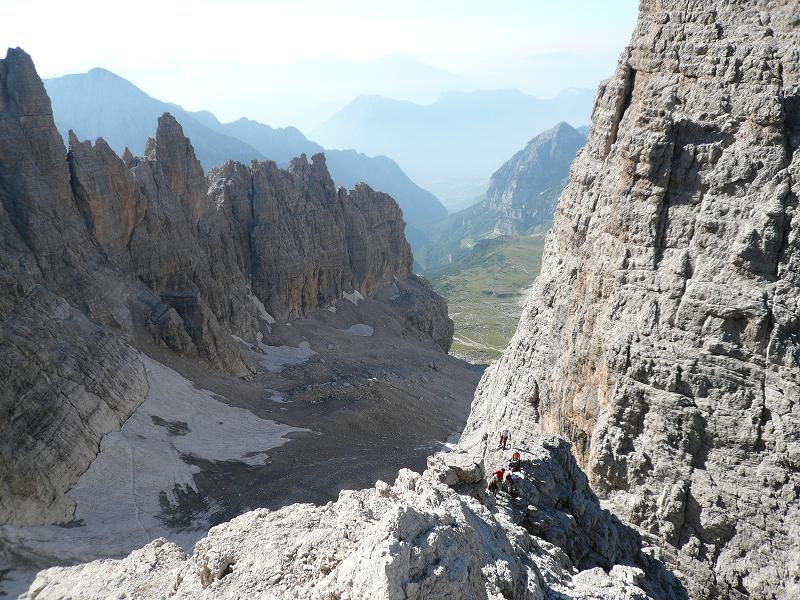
<point>176,50</point>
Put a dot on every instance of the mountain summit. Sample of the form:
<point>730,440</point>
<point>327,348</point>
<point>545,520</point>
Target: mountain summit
<point>453,145</point>
<point>521,197</point>
<point>523,192</point>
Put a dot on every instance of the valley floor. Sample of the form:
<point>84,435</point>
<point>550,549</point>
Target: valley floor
<point>344,399</point>
<point>485,291</point>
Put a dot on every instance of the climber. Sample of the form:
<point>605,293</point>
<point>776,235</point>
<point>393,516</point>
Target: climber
<point>508,484</point>
<point>503,439</point>
<point>515,463</point>
<point>495,482</point>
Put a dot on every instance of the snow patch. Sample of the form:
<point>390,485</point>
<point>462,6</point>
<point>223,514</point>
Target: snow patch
<point>276,358</point>
<point>331,309</point>
<point>278,397</point>
<point>262,311</point>
<point>452,440</point>
<point>360,330</point>
<point>125,498</point>
<point>353,297</point>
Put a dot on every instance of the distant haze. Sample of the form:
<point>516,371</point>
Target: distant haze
<point>452,146</point>
<point>298,63</point>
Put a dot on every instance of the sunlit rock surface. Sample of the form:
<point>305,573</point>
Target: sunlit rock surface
<point>662,336</point>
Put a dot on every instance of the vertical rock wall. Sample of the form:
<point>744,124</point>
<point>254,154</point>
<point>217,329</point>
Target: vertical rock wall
<point>662,337</point>
<point>66,379</point>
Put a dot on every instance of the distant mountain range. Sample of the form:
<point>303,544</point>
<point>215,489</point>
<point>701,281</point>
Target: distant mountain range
<point>305,93</point>
<point>460,139</point>
<point>102,104</point>
<point>523,192</point>
<point>521,198</point>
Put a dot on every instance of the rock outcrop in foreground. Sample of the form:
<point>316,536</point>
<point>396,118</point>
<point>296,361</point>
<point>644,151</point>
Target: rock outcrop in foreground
<point>663,336</point>
<point>101,256</point>
<point>416,539</point>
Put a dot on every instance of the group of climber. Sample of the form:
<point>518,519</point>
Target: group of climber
<point>503,478</point>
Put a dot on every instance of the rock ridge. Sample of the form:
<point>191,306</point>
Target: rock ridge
<point>101,256</point>
<point>419,538</point>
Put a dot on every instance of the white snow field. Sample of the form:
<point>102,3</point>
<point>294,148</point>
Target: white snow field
<point>276,358</point>
<point>360,330</point>
<point>141,467</point>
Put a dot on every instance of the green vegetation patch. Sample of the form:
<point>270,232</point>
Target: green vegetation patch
<point>485,291</point>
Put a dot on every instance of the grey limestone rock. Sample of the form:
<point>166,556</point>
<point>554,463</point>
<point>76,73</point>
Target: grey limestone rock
<point>661,338</point>
<point>415,539</point>
<point>97,251</point>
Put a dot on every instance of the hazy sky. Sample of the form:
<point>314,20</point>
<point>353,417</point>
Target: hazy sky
<point>166,47</point>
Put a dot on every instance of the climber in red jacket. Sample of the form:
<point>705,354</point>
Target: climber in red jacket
<point>495,482</point>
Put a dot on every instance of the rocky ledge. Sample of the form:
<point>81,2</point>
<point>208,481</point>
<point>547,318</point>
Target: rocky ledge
<point>418,538</point>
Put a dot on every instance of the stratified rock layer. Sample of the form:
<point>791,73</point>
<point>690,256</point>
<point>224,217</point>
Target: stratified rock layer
<point>663,335</point>
<point>101,256</point>
<point>66,379</point>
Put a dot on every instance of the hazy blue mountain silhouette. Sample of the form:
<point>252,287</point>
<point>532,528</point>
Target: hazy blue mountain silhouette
<point>521,198</point>
<point>462,134</point>
<point>101,104</point>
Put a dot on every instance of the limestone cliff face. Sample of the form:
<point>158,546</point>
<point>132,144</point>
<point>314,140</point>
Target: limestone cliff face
<point>221,251</point>
<point>303,241</point>
<point>66,379</point>
<point>662,335</point>
<point>99,253</point>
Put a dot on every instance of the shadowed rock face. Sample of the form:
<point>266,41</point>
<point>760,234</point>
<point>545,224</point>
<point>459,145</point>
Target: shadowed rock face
<point>662,337</point>
<point>98,253</point>
<point>66,379</point>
